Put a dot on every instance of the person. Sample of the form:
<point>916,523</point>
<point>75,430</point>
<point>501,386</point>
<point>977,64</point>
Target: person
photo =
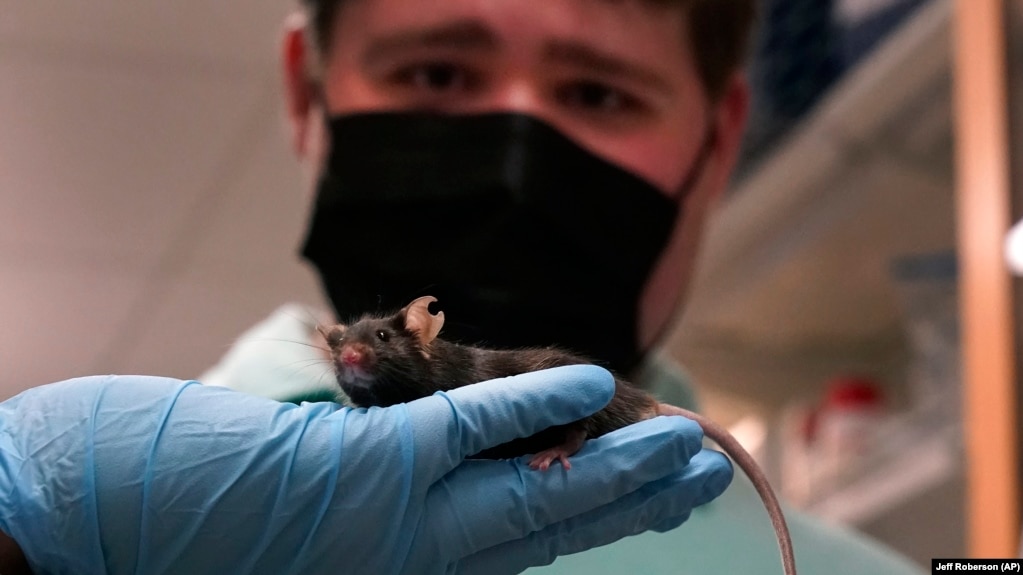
<point>544,168</point>
<point>141,474</point>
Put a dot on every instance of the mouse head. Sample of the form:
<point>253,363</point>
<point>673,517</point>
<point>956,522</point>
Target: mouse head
<point>385,360</point>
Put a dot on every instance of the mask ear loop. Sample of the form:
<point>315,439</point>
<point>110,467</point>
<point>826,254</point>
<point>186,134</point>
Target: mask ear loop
<point>709,140</point>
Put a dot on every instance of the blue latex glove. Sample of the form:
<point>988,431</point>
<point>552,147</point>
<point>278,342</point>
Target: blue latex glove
<point>153,475</point>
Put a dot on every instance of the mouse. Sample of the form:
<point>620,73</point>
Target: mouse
<point>384,360</point>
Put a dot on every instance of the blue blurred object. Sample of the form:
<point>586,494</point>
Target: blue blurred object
<point>937,266</point>
<point>798,55</point>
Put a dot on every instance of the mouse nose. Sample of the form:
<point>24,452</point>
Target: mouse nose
<point>353,356</point>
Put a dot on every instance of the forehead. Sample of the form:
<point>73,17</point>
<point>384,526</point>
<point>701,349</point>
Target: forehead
<point>371,323</point>
<point>367,321</point>
<point>649,31</point>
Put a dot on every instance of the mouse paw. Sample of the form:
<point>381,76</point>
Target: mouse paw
<point>543,460</point>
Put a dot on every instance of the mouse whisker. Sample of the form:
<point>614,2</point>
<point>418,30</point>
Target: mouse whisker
<point>310,321</point>
<point>333,376</point>
<point>296,342</point>
<point>300,364</point>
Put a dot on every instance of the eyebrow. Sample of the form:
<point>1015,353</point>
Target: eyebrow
<point>583,56</point>
<point>459,35</point>
<point>471,34</point>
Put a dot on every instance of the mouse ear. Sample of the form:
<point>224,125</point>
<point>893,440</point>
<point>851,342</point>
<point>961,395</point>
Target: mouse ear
<point>420,321</point>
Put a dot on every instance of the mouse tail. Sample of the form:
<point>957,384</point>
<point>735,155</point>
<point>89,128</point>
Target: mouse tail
<point>745,461</point>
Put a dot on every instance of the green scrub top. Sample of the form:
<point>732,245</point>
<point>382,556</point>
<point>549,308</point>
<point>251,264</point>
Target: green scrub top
<point>731,534</point>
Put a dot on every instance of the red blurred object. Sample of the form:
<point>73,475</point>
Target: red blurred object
<point>853,392</point>
<point>847,420</point>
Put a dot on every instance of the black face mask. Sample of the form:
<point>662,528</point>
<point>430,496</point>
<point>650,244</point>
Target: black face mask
<point>525,238</point>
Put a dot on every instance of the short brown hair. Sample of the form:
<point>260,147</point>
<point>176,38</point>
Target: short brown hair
<point>721,33</point>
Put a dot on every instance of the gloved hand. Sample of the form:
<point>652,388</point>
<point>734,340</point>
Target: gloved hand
<point>151,475</point>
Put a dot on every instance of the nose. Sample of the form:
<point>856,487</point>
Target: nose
<point>522,94</point>
<point>518,95</point>
<point>515,92</point>
<point>352,356</point>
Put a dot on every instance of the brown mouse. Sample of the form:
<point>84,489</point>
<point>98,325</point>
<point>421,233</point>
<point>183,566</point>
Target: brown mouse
<point>382,361</point>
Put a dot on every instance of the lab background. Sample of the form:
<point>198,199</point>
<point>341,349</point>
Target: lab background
<point>152,212</point>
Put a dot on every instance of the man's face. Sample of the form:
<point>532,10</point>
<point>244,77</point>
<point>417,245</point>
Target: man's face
<point>616,76</point>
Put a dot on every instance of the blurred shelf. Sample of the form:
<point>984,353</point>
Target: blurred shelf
<point>794,283</point>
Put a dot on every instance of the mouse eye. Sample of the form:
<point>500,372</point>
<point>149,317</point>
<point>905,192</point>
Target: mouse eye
<point>383,335</point>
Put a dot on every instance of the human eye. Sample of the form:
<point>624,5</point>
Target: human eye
<point>594,97</point>
<point>434,78</point>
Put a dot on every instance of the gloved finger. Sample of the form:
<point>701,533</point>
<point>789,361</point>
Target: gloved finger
<point>450,426</point>
<point>662,504</point>
<point>669,524</point>
<point>480,506</point>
